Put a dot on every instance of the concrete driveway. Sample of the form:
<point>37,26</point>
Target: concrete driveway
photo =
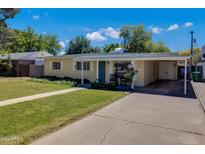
<point>137,119</point>
<point>168,88</point>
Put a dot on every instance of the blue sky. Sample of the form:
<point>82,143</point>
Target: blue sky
<point>101,26</point>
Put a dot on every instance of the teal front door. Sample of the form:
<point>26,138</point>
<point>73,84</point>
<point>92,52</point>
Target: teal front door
<point>101,71</point>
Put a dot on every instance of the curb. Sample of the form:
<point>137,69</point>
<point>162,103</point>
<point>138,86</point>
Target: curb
<point>198,96</point>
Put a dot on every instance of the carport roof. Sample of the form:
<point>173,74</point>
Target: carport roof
<point>124,56</point>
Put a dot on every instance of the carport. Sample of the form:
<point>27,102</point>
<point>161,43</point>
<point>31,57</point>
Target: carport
<point>165,75</point>
<point>167,71</point>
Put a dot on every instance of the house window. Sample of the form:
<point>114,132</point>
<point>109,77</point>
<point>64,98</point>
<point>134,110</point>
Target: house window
<point>56,65</point>
<point>86,66</point>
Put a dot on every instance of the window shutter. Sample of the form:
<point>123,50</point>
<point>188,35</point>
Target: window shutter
<point>74,63</point>
<point>61,63</point>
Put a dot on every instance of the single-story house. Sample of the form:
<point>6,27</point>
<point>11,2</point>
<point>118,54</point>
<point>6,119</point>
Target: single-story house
<point>103,67</point>
<point>27,63</point>
<point>203,59</point>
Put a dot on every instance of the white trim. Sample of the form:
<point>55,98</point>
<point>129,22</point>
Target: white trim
<point>50,66</point>
<point>124,56</point>
<point>110,70</point>
<point>203,69</point>
<point>128,59</point>
<point>82,75</point>
<point>61,65</point>
<point>133,79</point>
<point>135,69</point>
<point>185,77</point>
<point>97,71</point>
<point>80,60</point>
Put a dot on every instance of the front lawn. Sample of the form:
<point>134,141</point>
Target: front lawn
<point>19,87</point>
<point>23,122</point>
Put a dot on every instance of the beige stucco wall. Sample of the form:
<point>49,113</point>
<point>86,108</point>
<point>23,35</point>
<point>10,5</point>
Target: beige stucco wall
<point>176,70</point>
<point>139,78</point>
<point>172,68</point>
<point>68,69</point>
<point>150,71</point>
<point>147,71</point>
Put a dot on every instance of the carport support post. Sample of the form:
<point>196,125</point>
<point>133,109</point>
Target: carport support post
<point>82,75</point>
<point>133,84</point>
<point>97,71</point>
<point>185,76</point>
<point>110,70</point>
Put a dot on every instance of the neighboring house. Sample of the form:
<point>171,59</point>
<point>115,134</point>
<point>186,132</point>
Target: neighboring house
<point>103,67</point>
<point>27,63</point>
<point>203,60</point>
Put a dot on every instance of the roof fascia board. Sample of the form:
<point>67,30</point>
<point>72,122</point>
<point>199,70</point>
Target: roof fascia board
<point>129,59</point>
<point>56,57</point>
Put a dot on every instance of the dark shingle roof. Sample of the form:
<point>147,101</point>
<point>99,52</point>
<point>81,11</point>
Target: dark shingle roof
<point>26,55</point>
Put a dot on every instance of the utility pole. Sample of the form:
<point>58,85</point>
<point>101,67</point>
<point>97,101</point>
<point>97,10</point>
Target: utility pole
<point>192,42</point>
<point>192,45</point>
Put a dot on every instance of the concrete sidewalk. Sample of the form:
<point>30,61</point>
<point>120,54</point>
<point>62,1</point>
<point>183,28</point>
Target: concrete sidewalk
<point>37,96</point>
<point>199,88</point>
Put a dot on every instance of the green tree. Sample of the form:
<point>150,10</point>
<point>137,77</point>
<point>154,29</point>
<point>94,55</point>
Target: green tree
<point>7,13</point>
<point>95,50</point>
<point>5,32</point>
<point>136,39</point>
<point>79,45</point>
<point>26,40</point>
<point>48,43</point>
<point>125,35</point>
<point>160,47</point>
<point>111,47</point>
<point>196,55</point>
<point>18,41</point>
<point>29,40</point>
<point>139,38</point>
<point>6,67</point>
<point>150,46</point>
<point>5,39</point>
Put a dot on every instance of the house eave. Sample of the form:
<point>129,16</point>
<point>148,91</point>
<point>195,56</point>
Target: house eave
<point>134,58</point>
<point>121,57</point>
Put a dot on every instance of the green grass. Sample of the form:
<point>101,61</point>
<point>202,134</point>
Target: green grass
<point>19,87</point>
<point>32,119</point>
